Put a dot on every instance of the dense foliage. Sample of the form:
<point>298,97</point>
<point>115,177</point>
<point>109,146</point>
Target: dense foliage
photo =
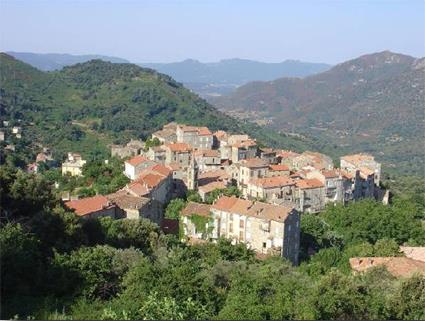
<point>57,266</point>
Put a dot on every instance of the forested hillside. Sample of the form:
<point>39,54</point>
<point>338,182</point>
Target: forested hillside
<point>84,107</point>
<point>374,103</point>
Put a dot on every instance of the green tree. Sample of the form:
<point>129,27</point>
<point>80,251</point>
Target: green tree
<point>174,208</point>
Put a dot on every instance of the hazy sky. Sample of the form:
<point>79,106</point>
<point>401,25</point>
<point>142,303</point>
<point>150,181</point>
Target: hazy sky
<point>209,30</point>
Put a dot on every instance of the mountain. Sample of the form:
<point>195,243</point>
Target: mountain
<point>86,106</point>
<point>373,103</point>
<point>212,79</point>
<point>53,61</point>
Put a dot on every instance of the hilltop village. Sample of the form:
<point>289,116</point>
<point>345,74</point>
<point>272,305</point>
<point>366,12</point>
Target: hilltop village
<point>247,193</point>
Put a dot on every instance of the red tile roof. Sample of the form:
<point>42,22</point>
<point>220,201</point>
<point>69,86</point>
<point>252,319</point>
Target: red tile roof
<point>196,208</point>
<point>309,183</point>
<point>245,143</point>
<point>224,203</point>
<point>248,208</point>
<point>398,266</point>
<point>279,167</point>
<point>137,160</point>
<point>179,147</point>
<point>220,134</point>
<point>414,252</point>
<point>207,153</point>
<point>254,163</point>
<point>138,188</point>
<point>269,182</point>
<point>330,173</point>
<point>287,154</point>
<point>88,205</point>
<point>209,187</point>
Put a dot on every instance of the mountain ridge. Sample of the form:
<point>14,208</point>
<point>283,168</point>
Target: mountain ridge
<point>373,103</point>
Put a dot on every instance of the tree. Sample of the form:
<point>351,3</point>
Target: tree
<point>174,208</point>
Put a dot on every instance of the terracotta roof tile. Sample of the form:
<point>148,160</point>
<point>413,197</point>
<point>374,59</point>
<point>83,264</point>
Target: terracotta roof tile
<point>207,153</point>
<point>269,182</point>
<point>248,208</point>
<point>88,205</point>
<point>254,163</point>
<point>138,189</point>
<point>287,154</point>
<point>309,183</point>
<point>125,200</point>
<point>279,167</point>
<point>245,143</point>
<point>398,266</point>
<point>179,147</point>
<point>330,173</point>
<point>277,213</point>
<point>209,187</point>
<point>224,203</point>
<point>196,208</point>
<point>137,160</point>
<point>414,252</point>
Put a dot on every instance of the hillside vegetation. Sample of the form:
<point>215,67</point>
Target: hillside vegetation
<point>57,266</point>
<point>87,106</point>
<point>375,103</point>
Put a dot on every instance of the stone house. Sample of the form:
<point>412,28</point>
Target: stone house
<point>156,154</point>
<point>197,137</point>
<point>180,153</point>
<point>233,170</point>
<point>278,170</point>
<point>134,166</point>
<point>243,150</point>
<point>199,227</point>
<point>93,207</point>
<point>316,160</point>
<point>155,182</point>
<point>265,228</point>
<point>219,137</point>
<point>211,180</point>
<point>133,148</point>
<point>136,207</point>
<point>269,155</point>
<point>74,165</point>
<point>310,195</point>
<point>250,169</point>
<point>167,134</point>
<point>362,162</point>
<point>275,188</point>
<point>207,159</point>
<point>334,183</point>
<point>286,157</point>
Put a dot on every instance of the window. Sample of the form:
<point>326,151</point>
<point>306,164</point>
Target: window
<point>241,223</point>
<point>264,245</point>
<point>241,235</point>
<point>231,227</point>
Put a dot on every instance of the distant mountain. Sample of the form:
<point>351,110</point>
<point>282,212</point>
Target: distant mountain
<point>53,61</point>
<point>86,106</point>
<point>221,77</point>
<point>373,103</point>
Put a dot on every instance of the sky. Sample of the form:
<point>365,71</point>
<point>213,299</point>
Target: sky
<point>210,30</point>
